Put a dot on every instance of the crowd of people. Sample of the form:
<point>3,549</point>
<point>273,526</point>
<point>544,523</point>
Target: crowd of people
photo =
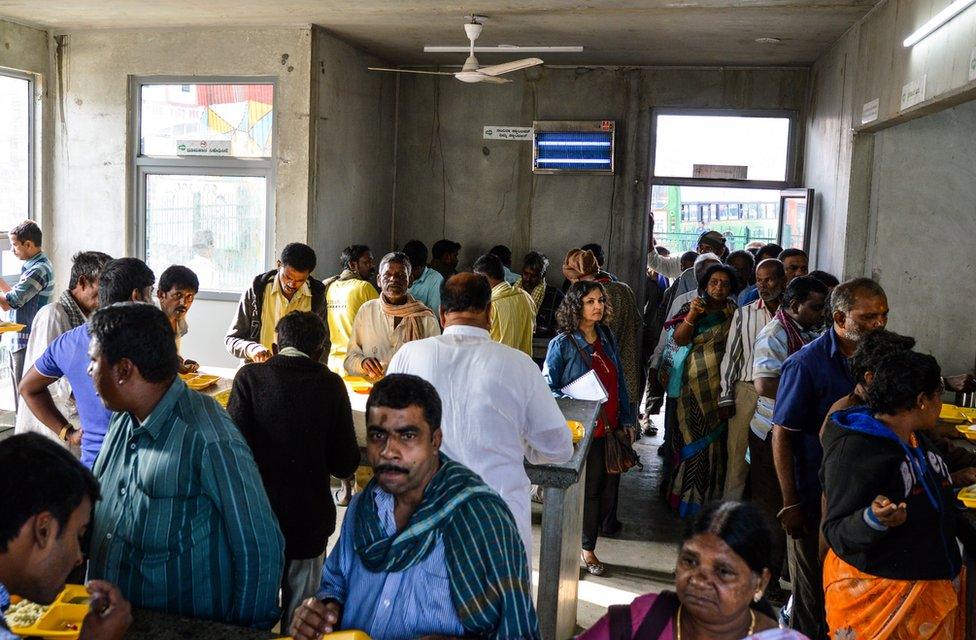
<point>800,444</point>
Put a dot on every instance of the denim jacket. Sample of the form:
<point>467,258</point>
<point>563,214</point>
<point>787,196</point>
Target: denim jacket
<point>565,364</point>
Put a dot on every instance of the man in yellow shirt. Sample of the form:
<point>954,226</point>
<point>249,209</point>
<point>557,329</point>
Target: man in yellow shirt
<point>344,294</point>
<point>512,310</point>
<point>272,296</point>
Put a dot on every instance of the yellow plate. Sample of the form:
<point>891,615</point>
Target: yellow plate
<point>222,397</point>
<point>61,621</point>
<point>968,430</point>
<point>358,384</point>
<point>950,413</point>
<point>7,327</point>
<point>968,496</point>
<point>199,381</point>
<point>577,430</point>
<point>342,635</point>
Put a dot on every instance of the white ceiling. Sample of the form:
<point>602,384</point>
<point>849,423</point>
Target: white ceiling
<point>626,32</point>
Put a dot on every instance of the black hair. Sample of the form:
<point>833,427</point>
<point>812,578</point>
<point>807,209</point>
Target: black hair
<point>873,347</point>
<point>402,390</point>
<point>771,250</point>
<point>828,279</point>
<point>741,253</point>
<point>417,252</point>
<point>302,330</point>
<point>27,230</point>
<point>801,288</point>
<point>537,261</point>
<point>120,278</point>
<point>715,268</point>
<point>899,378</point>
<point>489,265</point>
<point>743,528</point>
<point>662,250</point>
<point>352,253</point>
<point>180,277</point>
<point>598,253</point>
<point>791,253</point>
<point>570,311</point>
<point>503,253</point>
<point>88,264</point>
<point>299,257</point>
<point>443,247</point>
<point>465,294</point>
<point>39,476</point>
<point>688,256</point>
<point>138,332</point>
<point>754,251</point>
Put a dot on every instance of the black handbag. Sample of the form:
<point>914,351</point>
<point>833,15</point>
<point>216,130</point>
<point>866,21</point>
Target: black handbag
<point>618,454</point>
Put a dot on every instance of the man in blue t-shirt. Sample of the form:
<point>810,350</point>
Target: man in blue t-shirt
<point>122,280</point>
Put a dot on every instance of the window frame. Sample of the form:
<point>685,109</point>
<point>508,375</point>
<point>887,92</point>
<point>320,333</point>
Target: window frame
<point>141,166</point>
<point>31,156</point>
<point>791,148</point>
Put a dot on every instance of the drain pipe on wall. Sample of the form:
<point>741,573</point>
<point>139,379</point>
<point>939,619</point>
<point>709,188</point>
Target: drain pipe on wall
<point>396,140</point>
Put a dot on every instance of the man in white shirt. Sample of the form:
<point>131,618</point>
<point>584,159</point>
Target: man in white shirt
<point>384,325</point>
<point>737,403</point>
<point>68,311</point>
<point>497,408</point>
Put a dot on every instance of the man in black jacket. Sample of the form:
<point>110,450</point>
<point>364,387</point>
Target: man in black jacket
<point>295,415</point>
<point>271,297</point>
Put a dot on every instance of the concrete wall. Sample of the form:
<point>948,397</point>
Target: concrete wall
<point>869,63</point>
<point>922,214</point>
<point>352,150</point>
<point>452,183</point>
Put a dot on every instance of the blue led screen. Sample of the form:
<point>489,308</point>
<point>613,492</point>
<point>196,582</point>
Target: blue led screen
<point>574,151</point>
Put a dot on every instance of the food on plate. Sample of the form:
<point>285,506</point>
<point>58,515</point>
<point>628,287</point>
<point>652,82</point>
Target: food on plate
<point>24,614</point>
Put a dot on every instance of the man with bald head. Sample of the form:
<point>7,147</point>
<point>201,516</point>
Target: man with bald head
<point>490,421</point>
<point>738,400</point>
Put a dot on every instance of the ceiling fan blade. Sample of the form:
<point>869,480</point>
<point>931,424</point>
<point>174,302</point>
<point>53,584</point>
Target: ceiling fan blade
<point>506,67</point>
<point>493,79</point>
<point>429,73</point>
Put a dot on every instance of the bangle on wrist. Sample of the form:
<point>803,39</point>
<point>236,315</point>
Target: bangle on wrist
<point>65,432</point>
<point>690,324</point>
<point>785,509</point>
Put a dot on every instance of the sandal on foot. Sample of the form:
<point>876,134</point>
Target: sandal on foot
<point>593,568</point>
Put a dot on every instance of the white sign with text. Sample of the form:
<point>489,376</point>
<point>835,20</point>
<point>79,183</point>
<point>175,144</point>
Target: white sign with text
<point>972,65</point>
<point>203,147</point>
<point>869,113</point>
<point>508,133</point>
<point>913,93</point>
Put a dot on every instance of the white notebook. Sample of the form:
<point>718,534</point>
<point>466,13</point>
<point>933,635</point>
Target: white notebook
<point>586,387</point>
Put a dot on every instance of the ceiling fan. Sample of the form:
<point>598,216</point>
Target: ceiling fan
<point>472,71</point>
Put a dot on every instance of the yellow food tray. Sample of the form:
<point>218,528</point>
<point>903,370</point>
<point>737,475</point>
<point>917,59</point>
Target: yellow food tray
<point>952,414</point>
<point>63,618</point>
<point>577,430</point>
<point>7,327</point>
<point>199,381</point>
<point>342,635</point>
<point>358,384</point>
<point>968,496</point>
<point>968,430</point>
<point>222,398</point>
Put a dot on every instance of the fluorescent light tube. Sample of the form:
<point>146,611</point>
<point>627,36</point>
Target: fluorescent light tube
<point>503,49</point>
<point>937,21</point>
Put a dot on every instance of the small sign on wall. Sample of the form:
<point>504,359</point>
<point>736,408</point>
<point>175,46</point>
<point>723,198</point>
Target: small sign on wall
<point>972,65</point>
<point>913,93</point>
<point>508,133</point>
<point>869,113</point>
<point>203,147</point>
<point>720,171</point>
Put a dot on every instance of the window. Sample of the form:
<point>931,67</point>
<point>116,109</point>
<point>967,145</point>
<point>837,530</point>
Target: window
<point>16,157</point>
<point>205,178</point>
<point>760,142</point>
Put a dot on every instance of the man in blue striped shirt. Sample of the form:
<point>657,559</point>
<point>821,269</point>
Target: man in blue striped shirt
<point>184,525</point>
<point>34,289</point>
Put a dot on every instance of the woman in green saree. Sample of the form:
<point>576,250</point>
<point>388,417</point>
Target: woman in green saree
<point>696,344</point>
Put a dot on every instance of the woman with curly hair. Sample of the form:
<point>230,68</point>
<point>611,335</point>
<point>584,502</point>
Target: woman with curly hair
<point>691,373</point>
<point>585,343</point>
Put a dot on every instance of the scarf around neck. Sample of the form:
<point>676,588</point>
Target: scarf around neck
<point>486,562</point>
<point>794,340</point>
<point>76,317</point>
<point>412,313</point>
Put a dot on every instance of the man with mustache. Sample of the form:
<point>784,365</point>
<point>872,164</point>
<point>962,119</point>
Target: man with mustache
<point>738,400</point>
<point>427,548</point>
<point>178,286</point>
<point>384,325</point>
<point>272,296</point>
